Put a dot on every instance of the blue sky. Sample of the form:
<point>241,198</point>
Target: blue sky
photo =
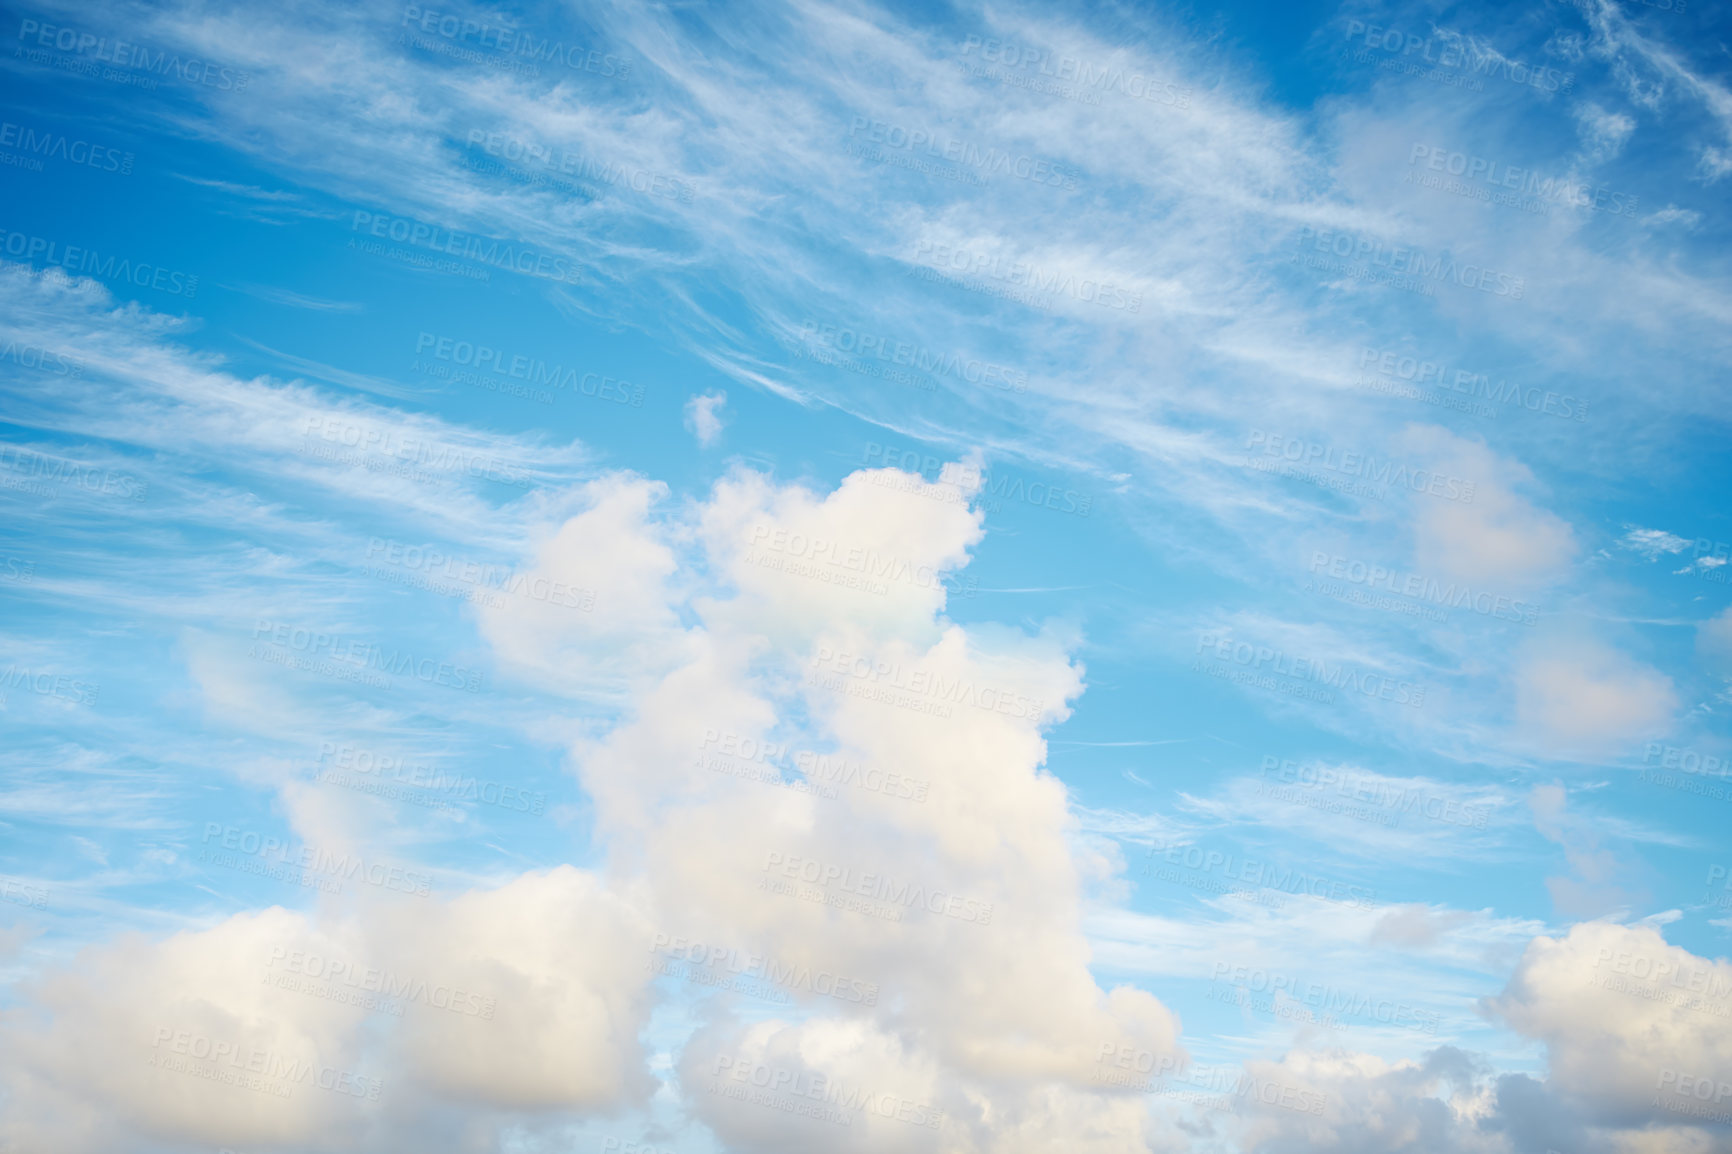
<point>1175,553</point>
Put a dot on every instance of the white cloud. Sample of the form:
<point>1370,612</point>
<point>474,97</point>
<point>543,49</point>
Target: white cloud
<point>791,653</point>
<point>1651,543</point>
<point>1714,637</point>
<point>1498,536</point>
<point>1618,1006</point>
<point>530,995</point>
<point>1594,888</point>
<point>703,416</point>
<point>591,612</point>
<point>1603,133</point>
<point>1581,694</point>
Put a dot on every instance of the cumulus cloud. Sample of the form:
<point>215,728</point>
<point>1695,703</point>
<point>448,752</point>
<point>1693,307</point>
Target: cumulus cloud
<point>1431,1105</point>
<point>778,657</point>
<point>1624,1016</point>
<point>591,610</point>
<point>821,636</point>
<point>336,1029</point>
<point>768,636</point>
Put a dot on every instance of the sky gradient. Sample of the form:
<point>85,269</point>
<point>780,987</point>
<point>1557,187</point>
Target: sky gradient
<point>829,576</point>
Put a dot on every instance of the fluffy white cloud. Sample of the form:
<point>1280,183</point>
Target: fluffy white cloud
<point>178,1040</point>
<point>1432,1105</point>
<point>276,1027</point>
<point>956,896</point>
<point>768,632</point>
<point>592,611</point>
<point>1634,1027</point>
<point>558,964</point>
